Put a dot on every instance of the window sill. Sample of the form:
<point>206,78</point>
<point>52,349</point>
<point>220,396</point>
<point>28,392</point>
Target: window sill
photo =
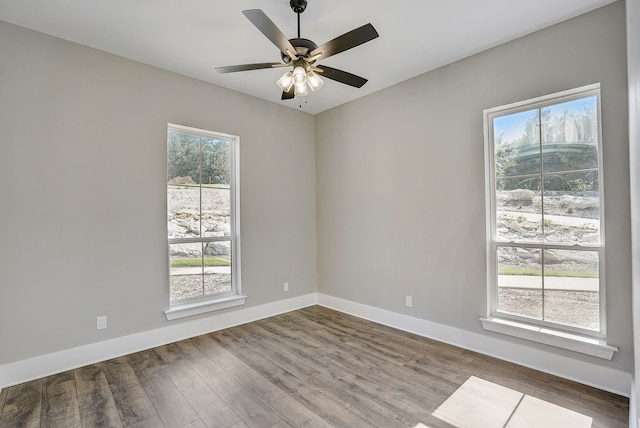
<point>573,342</point>
<point>190,309</point>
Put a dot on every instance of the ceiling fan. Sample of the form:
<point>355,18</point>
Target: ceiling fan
<point>301,54</point>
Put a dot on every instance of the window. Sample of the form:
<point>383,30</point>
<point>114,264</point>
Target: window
<point>545,216</point>
<point>202,221</point>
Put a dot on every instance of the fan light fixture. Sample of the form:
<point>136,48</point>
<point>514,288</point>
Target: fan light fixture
<point>300,78</point>
<point>286,81</point>
<point>299,55</point>
<point>314,81</point>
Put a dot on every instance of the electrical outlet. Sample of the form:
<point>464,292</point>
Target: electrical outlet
<point>101,323</point>
<point>408,300</point>
<point>286,286</point>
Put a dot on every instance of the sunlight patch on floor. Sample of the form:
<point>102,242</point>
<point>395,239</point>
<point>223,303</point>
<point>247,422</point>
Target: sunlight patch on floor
<point>480,403</point>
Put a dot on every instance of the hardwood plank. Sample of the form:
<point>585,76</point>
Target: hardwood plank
<point>95,401</point>
<point>402,344</point>
<point>301,343</point>
<point>314,359</point>
<point>389,382</point>
<point>128,394</point>
<point>170,404</point>
<point>377,411</point>
<point>292,337</point>
<point>371,343</point>
<point>344,322</point>
<point>3,396</point>
<point>223,358</point>
<point>291,410</point>
<point>254,360</point>
<point>299,323</point>
<point>197,424</point>
<point>246,405</point>
<point>151,422</point>
<point>586,400</point>
<point>211,408</point>
<point>446,380</point>
<point>60,401</point>
<point>243,333</point>
<point>22,405</point>
<point>286,361</point>
<point>167,354</point>
<point>143,360</point>
<point>311,313</point>
<point>189,351</point>
<point>313,399</point>
<point>281,424</point>
<point>344,344</point>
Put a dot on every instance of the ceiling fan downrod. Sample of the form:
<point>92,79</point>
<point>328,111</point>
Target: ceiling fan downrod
<point>298,6</point>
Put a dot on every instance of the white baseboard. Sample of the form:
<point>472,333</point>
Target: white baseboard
<point>612,380</point>
<point>45,365</point>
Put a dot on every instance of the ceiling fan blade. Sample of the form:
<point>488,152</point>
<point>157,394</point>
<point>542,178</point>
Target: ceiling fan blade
<point>347,41</point>
<point>288,95</point>
<point>247,67</point>
<point>269,29</point>
<point>341,76</point>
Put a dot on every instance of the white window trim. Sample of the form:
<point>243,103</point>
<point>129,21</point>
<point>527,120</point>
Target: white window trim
<point>560,339</point>
<point>593,344</point>
<point>204,306</point>
<point>235,297</point>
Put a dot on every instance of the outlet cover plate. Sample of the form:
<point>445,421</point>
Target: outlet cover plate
<point>101,322</point>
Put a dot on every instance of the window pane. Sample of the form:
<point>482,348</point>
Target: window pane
<point>519,209</point>
<point>216,210</point>
<point>520,282</point>
<point>216,161</point>
<point>572,208</point>
<point>571,285</point>
<point>183,206</point>
<point>570,135</point>
<point>217,267</point>
<point>185,271</point>
<point>517,144</point>
<point>183,157</point>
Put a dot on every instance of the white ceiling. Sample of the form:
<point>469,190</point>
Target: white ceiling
<point>191,37</point>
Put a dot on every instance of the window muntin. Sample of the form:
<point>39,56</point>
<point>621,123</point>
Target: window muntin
<point>201,215</point>
<point>544,222</point>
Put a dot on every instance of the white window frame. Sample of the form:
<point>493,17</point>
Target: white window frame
<point>566,337</point>
<point>235,297</point>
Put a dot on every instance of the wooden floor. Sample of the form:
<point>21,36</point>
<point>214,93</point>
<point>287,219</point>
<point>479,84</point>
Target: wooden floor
<point>313,367</point>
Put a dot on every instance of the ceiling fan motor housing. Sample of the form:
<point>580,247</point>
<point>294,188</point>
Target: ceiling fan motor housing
<point>298,6</point>
<point>303,47</point>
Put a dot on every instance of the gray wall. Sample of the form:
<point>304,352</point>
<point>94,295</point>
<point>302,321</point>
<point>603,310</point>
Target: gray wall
<point>400,177</point>
<point>82,179</point>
